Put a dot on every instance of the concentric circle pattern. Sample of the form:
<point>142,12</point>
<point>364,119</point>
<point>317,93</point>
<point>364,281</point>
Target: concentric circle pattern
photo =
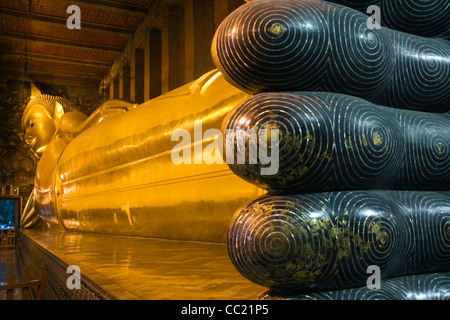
<point>309,45</point>
<point>331,142</point>
<point>424,18</point>
<point>434,286</point>
<point>327,241</point>
<point>422,74</point>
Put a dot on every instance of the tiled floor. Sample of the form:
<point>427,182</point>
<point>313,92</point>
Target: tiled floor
<point>152,269</point>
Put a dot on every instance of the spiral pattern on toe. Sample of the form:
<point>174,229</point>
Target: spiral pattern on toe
<point>361,58</point>
<point>434,286</point>
<point>306,138</point>
<point>368,144</point>
<point>432,215</point>
<point>329,141</point>
<point>425,63</point>
<point>336,142</point>
<point>423,18</point>
<point>426,151</point>
<point>277,235</point>
<point>373,229</point>
<point>326,241</point>
<point>311,45</point>
<point>279,51</point>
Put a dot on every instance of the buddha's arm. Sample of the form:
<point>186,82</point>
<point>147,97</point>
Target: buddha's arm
<point>75,122</point>
<point>29,217</point>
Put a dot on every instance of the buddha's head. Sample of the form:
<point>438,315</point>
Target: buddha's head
<point>40,120</point>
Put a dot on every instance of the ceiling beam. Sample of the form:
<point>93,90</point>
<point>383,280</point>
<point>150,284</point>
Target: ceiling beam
<point>112,5</point>
<point>30,70</point>
<point>62,42</point>
<point>56,79</point>
<point>155,11</point>
<point>55,58</point>
<point>61,21</point>
<point>49,79</point>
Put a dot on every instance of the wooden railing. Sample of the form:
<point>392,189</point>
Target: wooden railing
<point>25,284</point>
<point>8,240</point>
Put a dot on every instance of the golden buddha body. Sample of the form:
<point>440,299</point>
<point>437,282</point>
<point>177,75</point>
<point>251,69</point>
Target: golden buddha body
<point>113,173</point>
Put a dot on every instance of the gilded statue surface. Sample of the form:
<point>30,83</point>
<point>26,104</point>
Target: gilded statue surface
<point>112,172</point>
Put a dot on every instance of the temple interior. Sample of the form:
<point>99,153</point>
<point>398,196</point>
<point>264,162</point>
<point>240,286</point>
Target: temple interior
<point>119,181</point>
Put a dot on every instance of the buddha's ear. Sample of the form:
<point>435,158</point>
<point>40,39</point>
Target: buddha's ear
<point>58,111</point>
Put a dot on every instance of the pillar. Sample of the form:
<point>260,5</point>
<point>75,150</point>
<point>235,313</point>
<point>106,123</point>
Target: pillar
<point>152,64</point>
<point>173,49</point>
<point>124,83</point>
<point>137,76</point>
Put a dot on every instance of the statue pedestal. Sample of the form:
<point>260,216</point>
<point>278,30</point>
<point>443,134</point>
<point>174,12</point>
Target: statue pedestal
<point>121,267</point>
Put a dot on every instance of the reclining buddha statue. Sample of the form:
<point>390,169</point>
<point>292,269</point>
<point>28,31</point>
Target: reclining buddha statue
<point>112,172</point>
<point>362,177</point>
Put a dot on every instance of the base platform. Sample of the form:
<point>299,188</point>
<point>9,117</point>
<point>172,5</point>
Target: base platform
<point>132,268</point>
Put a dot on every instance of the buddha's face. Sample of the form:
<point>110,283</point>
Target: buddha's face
<point>39,129</point>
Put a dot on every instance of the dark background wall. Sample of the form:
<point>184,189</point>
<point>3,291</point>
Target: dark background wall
<point>17,162</point>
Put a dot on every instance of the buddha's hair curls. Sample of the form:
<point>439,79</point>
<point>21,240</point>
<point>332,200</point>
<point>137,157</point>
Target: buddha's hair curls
<point>47,102</point>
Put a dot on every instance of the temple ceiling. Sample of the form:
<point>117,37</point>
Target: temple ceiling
<point>37,44</point>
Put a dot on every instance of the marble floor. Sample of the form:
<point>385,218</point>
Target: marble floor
<point>151,269</point>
